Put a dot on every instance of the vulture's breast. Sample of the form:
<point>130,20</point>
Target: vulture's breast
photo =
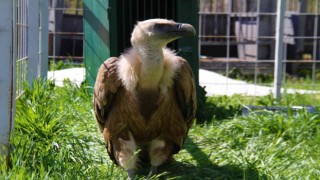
<point>146,115</point>
<point>148,103</point>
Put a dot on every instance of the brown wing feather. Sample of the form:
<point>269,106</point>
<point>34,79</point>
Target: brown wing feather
<point>106,86</point>
<point>185,90</point>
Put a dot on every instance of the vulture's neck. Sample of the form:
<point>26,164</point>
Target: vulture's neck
<point>152,63</point>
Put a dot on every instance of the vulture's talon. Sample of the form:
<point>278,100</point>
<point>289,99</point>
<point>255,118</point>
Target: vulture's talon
<point>130,174</point>
<point>153,171</point>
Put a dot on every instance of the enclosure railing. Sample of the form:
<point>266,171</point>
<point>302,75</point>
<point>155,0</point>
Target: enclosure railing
<point>65,39</point>
<point>6,78</point>
<point>238,39</point>
<point>65,31</point>
<point>23,54</point>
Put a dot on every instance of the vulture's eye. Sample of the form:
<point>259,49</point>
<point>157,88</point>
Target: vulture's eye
<point>178,26</point>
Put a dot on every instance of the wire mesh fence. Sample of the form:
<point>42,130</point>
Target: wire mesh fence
<point>23,54</point>
<point>66,40</point>
<point>66,31</point>
<point>238,37</point>
<point>20,43</point>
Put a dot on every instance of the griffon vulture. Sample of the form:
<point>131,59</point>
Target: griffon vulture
<point>145,100</point>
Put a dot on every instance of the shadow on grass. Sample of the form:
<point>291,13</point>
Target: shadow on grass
<point>204,168</point>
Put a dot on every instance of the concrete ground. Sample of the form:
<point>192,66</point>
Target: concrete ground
<point>215,83</point>
<point>76,75</point>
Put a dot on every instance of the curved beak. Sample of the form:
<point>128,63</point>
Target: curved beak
<point>182,29</point>
<point>174,31</point>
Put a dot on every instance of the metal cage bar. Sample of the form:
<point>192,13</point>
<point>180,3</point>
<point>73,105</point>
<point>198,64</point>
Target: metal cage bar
<point>33,39</point>
<point>227,34</point>
<point>279,49</point>
<point>21,46</point>
<point>43,35</point>
<point>64,42</point>
<point>7,74</point>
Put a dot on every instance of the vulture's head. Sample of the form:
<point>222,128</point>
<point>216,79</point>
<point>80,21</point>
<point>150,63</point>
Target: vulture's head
<point>159,32</point>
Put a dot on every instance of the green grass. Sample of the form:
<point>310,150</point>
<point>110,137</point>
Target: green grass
<point>56,137</point>
<point>63,64</point>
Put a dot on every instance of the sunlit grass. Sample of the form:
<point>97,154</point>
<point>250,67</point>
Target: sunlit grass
<point>56,137</point>
<point>263,145</point>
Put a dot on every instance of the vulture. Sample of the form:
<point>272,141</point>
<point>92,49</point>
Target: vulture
<point>145,100</point>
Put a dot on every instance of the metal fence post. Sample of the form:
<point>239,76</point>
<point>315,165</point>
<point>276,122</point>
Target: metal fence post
<point>6,78</point>
<point>33,40</point>
<point>43,48</point>
<point>281,9</point>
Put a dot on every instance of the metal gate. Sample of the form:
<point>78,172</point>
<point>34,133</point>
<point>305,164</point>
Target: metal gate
<point>23,55</point>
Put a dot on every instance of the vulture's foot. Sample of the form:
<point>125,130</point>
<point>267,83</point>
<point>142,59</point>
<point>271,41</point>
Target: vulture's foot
<point>153,171</point>
<point>130,174</point>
